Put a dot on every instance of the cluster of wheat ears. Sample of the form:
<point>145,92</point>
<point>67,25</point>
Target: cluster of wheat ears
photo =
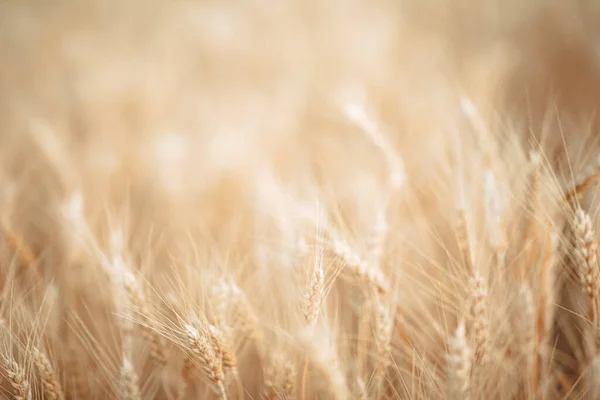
<point>332,200</point>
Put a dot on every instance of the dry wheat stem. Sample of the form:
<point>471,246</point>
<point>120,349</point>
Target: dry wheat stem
<point>533,207</point>
<point>543,315</point>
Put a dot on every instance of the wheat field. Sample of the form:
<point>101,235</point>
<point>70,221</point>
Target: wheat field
<point>334,199</point>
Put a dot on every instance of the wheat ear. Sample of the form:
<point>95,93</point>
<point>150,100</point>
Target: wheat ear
<point>128,382</point>
<point>384,325</point>
<point>18,380</point>
<point>311,305</point>
<point>459,364</point>
<point>586,253</point>
<point>224,350</point>
<point>315,293</point>
<point>52,387</point>
<point>478,312</point>
<point>280,378</point>
<point>202,352</point>
<point>358,269</point>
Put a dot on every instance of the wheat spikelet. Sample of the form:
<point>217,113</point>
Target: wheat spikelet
<point>280,378</point>
<point>203,353</point>
<point>358,269</point>
<point>270,374</point>
<point>478,313</point>
<point>17,378</point>
<point>224,350</point>
<point>222,346</point>
<point>289,379</point>
<point>586,252</point>
<point>459,364</point>
<point>128,382</point>
<point>52,387</point>
<point>384,325</point>
<point>315,293</point>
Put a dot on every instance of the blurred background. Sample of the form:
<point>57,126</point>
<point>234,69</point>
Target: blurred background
<point>179,95</point>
